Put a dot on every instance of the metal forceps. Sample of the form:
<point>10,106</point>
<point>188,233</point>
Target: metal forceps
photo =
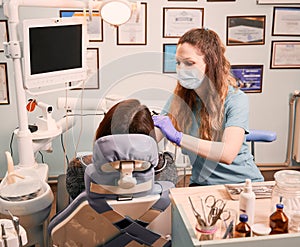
<point>216,209</point>
<point>201,222</point>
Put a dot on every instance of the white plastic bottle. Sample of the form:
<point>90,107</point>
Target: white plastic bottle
<point>247,202</point>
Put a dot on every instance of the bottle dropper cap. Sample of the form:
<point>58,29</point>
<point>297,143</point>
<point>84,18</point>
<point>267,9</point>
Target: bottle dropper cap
<point>243,218</point>
<point>279,205</point>
<point>248,185</point>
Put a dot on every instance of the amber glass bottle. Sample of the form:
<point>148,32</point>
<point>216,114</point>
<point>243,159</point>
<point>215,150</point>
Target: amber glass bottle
<point>279,222</point>
<point>242,229</point>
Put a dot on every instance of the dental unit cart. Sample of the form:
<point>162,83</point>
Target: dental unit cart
<point>184,222</point>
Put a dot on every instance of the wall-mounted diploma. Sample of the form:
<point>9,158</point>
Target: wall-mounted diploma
<point>245,30</point>
<point>285,55</point>
<point>179,20</point>
<point>286,21</point>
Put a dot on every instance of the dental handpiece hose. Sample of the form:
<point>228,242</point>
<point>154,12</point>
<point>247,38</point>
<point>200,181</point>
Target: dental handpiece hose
<point>16,223</point>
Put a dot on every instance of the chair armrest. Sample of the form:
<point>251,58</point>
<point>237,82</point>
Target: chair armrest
<point>261,136</point>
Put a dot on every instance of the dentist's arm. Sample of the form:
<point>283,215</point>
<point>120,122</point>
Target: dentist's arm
<point>224,151</point>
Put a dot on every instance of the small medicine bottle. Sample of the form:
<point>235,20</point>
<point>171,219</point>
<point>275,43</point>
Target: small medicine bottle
<point>279,222</point>
<point>247,202</point>
<point>242,229</point>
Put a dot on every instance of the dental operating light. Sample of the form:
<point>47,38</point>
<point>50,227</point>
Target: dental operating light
<point>115,12</point>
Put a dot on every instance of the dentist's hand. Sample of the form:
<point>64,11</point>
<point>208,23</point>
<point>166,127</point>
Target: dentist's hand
<point>167,128</point>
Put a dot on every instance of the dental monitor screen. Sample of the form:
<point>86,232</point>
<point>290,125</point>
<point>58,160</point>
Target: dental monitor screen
<point>54,52</point>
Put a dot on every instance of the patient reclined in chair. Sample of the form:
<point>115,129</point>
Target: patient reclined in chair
<point>122,205</point>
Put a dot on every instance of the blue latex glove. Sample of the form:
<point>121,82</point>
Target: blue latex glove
<point>167,128</point>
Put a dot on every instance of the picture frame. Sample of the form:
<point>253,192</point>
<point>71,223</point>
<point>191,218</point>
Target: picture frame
<point>169,59</point>
<point>176,21</point>
<point>93,73</point>
<point>245,30</point>
<point>276,2</point>
<point>286,21</point>
<point>249,77</point>
<point>285,54</point>
<point>94,27</point>
<point>134,32</point>
<point>4,91</point>
<point>182,0</point>
<point>4,33</point>
<point>220,0</point>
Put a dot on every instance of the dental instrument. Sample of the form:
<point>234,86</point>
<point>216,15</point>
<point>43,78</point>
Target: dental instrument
<point>229,230</point>
<point>16,223</point>
<point>3,235</point>
<point>203,209</point>
<point>200,221</point>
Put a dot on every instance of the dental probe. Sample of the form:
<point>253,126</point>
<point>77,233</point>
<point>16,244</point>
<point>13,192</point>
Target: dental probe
<point>3,235</point>
<point>16,223</point>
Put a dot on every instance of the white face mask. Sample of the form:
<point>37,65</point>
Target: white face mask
<point>190,78</point>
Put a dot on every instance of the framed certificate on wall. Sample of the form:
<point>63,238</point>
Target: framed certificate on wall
<point>4,93</point>
<point>245,30</point>
<point>3,33</point>
<point>285,54</point>
<point>134,32</point>
<point>286,21</point>
<point>176,21</point>
<point>249,77</point>
<point>94,27</point>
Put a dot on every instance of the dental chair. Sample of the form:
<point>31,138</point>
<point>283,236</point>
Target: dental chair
<point>121,205</point>
<point>259,136</point>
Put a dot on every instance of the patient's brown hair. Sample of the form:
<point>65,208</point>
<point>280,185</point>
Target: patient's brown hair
<point>128,116</point>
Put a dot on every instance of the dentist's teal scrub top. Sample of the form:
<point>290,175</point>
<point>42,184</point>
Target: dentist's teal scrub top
<point>207,172</point>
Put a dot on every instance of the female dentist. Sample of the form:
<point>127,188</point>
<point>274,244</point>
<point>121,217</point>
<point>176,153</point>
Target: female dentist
<point>207,115</point>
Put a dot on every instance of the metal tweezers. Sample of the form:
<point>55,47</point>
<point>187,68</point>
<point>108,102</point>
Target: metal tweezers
<point>197,215</point>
